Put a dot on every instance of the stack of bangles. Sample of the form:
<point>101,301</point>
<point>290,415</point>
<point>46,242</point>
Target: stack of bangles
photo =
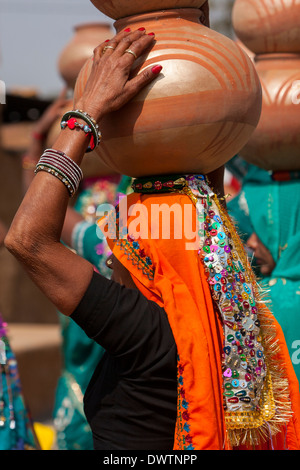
<point>90,127</point>
<point>61,166</point>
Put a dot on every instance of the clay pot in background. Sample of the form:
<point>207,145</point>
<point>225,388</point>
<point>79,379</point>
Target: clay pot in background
<point>117,9</point>
<point>275,144</point>
<point>80,48</point>
<point>195,116</point>
<point>266,26</point>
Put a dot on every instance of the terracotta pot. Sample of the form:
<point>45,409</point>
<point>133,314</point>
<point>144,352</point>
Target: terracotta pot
<point>275,144</point>
<point>121,8</point>
<point>268,25</point>
<point>195,116</point>
<point>92,166</point>
<point>80,48</point>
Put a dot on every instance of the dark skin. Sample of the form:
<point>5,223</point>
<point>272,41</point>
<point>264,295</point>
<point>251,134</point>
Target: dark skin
<point>35,233</point>
<point>262,255</point>
<point>119,273</point>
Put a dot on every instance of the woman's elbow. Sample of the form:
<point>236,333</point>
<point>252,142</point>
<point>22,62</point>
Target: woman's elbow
<point>19,242</point>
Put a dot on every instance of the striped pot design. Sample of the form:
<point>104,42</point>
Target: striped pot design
<point>198,113</point>
<point>268,25</point>
<point>275,143</point>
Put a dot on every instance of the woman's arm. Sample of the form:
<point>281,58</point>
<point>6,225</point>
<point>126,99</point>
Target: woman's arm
<point>34,236</point>
<point>39,137</point>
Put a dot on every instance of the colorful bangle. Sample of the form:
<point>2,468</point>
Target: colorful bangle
<point>72,124</point>
<point>77,113</point>
<point>62,167</point>
<point>53,171</point>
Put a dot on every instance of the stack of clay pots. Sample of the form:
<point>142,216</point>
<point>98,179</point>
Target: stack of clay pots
<point>271,30</point>
<point>202,108</point>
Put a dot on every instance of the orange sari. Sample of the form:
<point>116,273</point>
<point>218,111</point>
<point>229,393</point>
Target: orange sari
<point>180,280</point>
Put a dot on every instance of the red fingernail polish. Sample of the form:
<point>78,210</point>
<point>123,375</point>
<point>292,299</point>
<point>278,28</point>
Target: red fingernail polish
<point>127,30</point>
<point>151,34</point>
<point>156,69</point>
<point>107,40</point>
<point>141,29</point>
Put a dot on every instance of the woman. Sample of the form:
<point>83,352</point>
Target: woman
<point>159,385</point>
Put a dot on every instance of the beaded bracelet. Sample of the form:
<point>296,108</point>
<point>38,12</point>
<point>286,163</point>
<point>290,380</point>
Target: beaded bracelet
<point>72,124</point>
<point>77,113</point>
<point>58,175</point>
<point>62,167</point>
<point>62,158</point>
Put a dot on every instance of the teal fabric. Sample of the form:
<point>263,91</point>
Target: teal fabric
<point>272,210</point>
<point>16,428</point>
<point>80,354</point>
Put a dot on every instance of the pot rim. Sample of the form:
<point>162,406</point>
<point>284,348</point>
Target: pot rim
<point>277,56</point>
<point>91,24</point>
<point>161,14</point>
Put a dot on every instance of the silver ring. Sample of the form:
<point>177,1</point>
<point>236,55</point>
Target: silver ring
<point>108,47</point>
<point>131,52</point>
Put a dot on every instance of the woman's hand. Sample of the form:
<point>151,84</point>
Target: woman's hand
<point>109,86</point>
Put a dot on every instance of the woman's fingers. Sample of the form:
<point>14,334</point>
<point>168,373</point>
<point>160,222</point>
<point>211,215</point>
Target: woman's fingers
<point>132,41</point>
<point>111,45</point>
<point>124,44</point>
<point>131,52</point>
<point>136,84</point>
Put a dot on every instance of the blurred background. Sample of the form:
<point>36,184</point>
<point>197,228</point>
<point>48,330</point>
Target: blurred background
<point>32,36</point>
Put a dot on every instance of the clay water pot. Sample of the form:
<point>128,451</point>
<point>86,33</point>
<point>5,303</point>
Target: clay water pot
<point>275,143</point>
<point>268,25</point>
<point>195,116</point>
<point>86,37</point>
<point>117,9</point>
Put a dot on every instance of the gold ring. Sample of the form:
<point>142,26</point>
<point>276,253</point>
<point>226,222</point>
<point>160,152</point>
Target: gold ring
<point>108,47</point>
<point>131,52</point>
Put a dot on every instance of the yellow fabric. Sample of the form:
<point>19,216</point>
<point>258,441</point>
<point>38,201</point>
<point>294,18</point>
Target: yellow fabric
<point>46,435</point>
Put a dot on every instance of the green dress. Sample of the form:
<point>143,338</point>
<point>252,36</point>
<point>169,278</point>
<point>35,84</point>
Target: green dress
<point>80,354</point>
<point>271,209</point>
<point>16,428</point>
